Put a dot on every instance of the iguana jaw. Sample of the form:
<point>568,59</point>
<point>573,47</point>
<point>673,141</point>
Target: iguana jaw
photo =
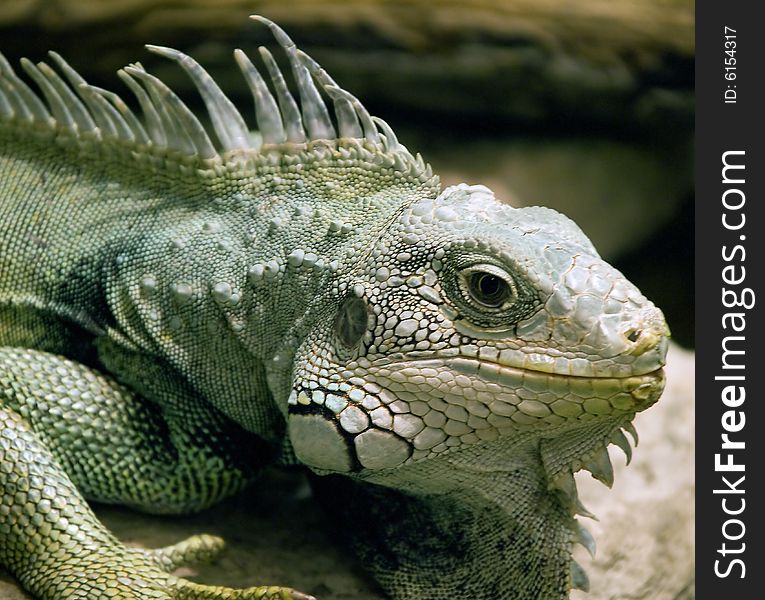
<point>575,418</point>
<point>644,353</point>
<point>469,402</point>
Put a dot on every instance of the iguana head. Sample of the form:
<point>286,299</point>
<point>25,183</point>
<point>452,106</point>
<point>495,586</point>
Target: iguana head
<point>480,355</point>
<point>468,321</point>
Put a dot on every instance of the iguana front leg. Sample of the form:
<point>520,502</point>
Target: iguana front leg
<point>63,426</point>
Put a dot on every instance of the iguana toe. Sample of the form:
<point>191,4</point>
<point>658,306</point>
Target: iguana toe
<point>193,550</point>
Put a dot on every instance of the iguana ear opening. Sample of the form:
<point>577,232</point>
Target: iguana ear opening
<point>352,321</point>
<point>338,421</point>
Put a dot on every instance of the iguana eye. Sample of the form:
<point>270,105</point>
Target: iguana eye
<point>488,287</point>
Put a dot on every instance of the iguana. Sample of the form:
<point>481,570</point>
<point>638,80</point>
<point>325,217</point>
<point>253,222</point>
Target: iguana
<point>182,304</point>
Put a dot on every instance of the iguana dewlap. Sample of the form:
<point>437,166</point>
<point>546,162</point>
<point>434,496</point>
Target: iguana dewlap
<point>182,304</point>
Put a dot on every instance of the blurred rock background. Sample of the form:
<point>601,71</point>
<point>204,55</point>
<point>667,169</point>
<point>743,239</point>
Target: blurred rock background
<point>586,107</point>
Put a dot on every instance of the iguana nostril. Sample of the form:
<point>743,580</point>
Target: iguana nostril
<point>649,340</point>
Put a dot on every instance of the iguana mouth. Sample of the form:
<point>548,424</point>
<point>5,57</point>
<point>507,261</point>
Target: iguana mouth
<point>596,409</point>
<point>487,368</point>
<point>597,395</point>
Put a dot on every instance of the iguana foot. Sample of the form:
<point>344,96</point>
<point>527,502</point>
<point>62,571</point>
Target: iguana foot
<point>137,574</point>
<point>54,544</point>
<point>133,574</point>
<point>194,591</point>
<point>203,549</point>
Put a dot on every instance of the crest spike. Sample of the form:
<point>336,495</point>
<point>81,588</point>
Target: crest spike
<point>79,111</point>
<point>621,440</point>
<point>6,112</point>
<point>370,131</point>
<point>315,113</point>
<point>20,96</point>
<point>57,106</point>
<point>630,428</point>
<point>168,104</point>
<point>121,130</point>
<point>123,109</point>
<point>599,464</point>
<point>390,137</point>
<point>16,106</point>
<point>172,134</point>
<point>103,120</point>
<point>228,123</point>
<point>289,123</point>
<point>89,111</point>
<point>347,121</point>
<point>154,126</point>
<point>188,126</point>
<point>266,111</point>
<point>293,122</point>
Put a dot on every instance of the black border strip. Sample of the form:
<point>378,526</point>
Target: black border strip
<point>732,124</point>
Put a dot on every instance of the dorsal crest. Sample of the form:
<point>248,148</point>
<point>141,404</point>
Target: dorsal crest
<point>167,127</point>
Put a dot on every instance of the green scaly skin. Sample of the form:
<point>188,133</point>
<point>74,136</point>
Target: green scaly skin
<point>175,314</point>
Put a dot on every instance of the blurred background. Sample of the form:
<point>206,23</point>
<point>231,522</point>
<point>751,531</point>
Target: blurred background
<point>586,107</point>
